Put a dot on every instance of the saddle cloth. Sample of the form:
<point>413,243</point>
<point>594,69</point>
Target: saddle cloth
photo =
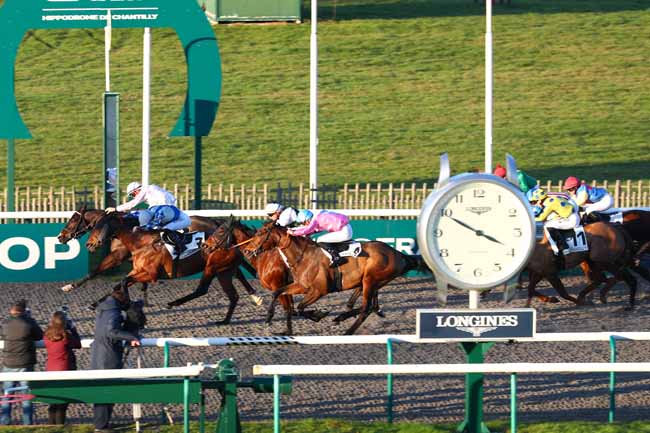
<point>345,249</point>
<point>614,218</point>
<point>191,240</point>
<point>575,239</point>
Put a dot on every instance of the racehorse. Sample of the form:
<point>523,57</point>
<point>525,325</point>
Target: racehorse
<point>376,266</point>
<point>83,220</point>
<point>152,261</point>
<point>610,250</point>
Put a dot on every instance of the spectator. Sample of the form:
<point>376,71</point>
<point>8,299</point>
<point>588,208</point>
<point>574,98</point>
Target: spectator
<point>61,337</point>
<point>20,333</point>
<point>108,347</point>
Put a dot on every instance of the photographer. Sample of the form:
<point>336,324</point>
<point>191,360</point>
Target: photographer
<point>61,337</point>
<point>108,347</point>
<point>20,333</point>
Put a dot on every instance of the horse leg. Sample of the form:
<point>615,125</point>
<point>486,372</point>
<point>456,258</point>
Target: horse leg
<point>276,293</point>
<point>351,311</point>
<point>257,300</point>
<point>631,281</point>
<point>201,289</point>
<point>368,293</point>
<point>556,282</point>
<point>110,261</point>
<point>145,294</point>
<point>287,304</point>
<point>533,279</point>
<point>225,279</point>
<point>595,276</point>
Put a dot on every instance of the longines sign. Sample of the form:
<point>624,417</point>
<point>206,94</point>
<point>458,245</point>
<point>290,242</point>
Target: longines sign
<point>488,325</point>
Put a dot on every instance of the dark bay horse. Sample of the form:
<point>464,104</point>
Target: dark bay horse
<point>610,250</point>
<point>83,221</point>
<point>152,261</point>
<point>376,266</point>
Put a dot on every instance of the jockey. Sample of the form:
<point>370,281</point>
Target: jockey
<point>557,213</point>
<point>283,216</point>
<point>336,224</point>
<point>591,198</point>
<point>162,213</point>
<point>526,182</point>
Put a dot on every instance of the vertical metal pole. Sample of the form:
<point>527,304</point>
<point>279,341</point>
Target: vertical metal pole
<point>313,107</point>
<point>473,422</point>
<point>107,49</point>
<point>612,380</point>
<point>11,175</point>
<point>276,404</point>
<point>389,382</point>
<point>513,403</point>
<point>197,171</point>
<point>146,104</point>
<point>186,406</point>
<point>166,354</point>
<point>488,86</point>
<point>202,414</point>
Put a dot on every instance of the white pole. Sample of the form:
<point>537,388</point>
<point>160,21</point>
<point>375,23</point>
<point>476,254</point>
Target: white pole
<point>107,49</point>
<point>488,86</point>
<point>146,105</point>
<point>313,106</point>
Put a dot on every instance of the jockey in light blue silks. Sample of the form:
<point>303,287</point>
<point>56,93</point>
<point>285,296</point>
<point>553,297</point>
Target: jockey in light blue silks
<point>162,213</point>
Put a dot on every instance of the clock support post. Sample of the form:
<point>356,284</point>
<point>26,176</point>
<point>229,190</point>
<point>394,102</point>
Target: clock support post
<point>473,422</point>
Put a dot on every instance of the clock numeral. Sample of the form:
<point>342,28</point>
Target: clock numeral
<point>458,266</point>
<point>512,212</point>
<point>444,252</point>
<point>459,198</point>
<point>518,233</point>
<point>497,267</point>
<point>437,233</point>
<point>511,252</point>
<point>479,193</point>
<point>446,212</point>
<point>478,272</point>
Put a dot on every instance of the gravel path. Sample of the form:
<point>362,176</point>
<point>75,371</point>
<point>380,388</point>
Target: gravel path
<point>425,399</point>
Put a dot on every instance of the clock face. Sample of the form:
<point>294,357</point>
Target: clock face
<point>479,232</point>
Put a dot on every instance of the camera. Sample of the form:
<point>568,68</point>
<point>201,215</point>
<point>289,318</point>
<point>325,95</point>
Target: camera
<point>135,320</point>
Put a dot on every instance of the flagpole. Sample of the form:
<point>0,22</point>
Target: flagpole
<point>313,107</point>
<point>146,105</point>
<point>488,86</point>
<point>107,49</point>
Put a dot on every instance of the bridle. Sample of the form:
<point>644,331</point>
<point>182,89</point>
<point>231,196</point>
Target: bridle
<point>259,250</point>
<point>80,230</point>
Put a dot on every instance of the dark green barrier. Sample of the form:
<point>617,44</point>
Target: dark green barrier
<point>31,252</point>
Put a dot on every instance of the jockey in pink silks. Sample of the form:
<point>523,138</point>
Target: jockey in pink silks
<point>337,225</point>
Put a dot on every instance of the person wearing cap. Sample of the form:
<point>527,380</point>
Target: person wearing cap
<point>526,182</point>
<point>593,199</point>
<point>557,213</point>
<point>336,224</point>
<point>283,216</point>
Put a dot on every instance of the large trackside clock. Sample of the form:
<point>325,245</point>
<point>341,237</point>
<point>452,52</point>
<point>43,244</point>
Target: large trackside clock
<point>476,231</point>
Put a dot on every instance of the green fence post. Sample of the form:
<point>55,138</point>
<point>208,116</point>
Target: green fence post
<point>186,406</point>
<point>612,379</point>
<point>166,349</point>
<point>513,403</point>
<point>202,415</point>
<point>389,381</point>
<point>276,404</point>
<point>473,422</point>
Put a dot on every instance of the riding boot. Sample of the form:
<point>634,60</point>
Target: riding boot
<point>177,239</point>
<point>336,259</point>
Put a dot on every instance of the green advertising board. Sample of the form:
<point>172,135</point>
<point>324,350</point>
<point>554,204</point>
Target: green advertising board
<point>198,112</point>
<point>31,252</point>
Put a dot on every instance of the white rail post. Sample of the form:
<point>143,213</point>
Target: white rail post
<point>146,105</point>
<point>313,107</point>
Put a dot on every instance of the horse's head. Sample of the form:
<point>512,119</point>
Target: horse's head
<point>266,238</point>
<point>221,238</point>
<point>76,227</point>
<point>105,227</point>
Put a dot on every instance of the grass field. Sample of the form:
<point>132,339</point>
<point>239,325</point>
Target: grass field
<point>400,82</point>
<point>335,426</point>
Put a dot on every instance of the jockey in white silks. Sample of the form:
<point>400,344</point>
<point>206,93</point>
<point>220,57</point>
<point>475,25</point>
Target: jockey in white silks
<point>283,216</point>
<point>162,213</point>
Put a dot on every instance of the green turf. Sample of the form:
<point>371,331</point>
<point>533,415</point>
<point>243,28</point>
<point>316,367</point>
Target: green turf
<point>337,426</point>
<point>400,82</point>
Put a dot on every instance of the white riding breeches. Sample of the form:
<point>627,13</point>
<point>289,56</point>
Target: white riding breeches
<point>571,222</point>
<point>182,222</point>
<point>345,234</point>
<point>601,205</point>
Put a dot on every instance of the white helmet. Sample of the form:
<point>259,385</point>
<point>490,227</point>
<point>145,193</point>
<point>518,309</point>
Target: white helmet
<point>273,207</point>
<point>133,186</point>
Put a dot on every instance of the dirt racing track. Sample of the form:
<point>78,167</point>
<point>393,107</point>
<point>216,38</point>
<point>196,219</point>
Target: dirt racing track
<point>417,398</point>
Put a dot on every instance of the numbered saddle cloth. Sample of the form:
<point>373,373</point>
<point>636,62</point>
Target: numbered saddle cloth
<point>574,239</point>
<point>345,249</point>
<point>192,242</point>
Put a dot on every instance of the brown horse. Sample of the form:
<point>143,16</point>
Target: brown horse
<point>376,266</point>
<point>152,261</point>
<point>83,220</point>
<point>610,250</point>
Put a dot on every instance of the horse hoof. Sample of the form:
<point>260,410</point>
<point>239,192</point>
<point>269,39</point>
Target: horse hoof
<point>553,300</point>
<point>67,288</point>
<point>381,313</point>
<point>169,306</point>
<point>92,306</point>
<point>220,323</point>
<point>257,300</point>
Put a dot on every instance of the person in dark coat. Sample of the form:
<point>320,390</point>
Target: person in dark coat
<point>61,337</point>
<point>20,333</point>
<point>108,347</point>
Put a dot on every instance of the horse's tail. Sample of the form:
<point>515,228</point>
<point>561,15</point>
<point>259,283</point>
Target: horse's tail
<point>414,263</point>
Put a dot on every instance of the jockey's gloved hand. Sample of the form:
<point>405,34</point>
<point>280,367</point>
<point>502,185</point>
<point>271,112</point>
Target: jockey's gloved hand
<point>110,210</point>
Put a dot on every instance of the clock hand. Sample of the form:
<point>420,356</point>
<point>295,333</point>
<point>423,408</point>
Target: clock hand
<point>478,232</point>
<point>490,238</point>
